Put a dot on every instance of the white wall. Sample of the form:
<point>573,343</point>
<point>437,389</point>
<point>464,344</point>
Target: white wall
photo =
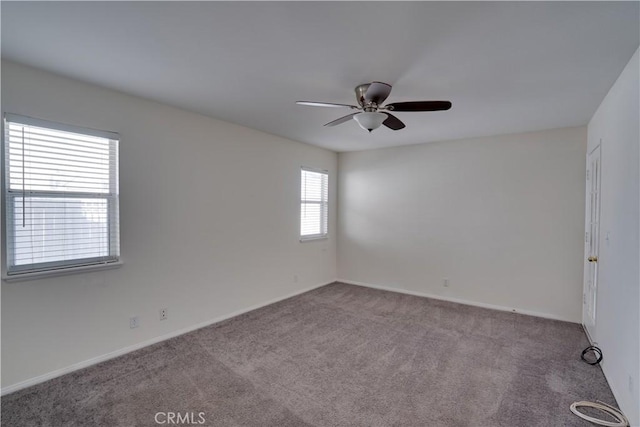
<point>209,222</point>
<point>500,217</point>
<point>617,332</point>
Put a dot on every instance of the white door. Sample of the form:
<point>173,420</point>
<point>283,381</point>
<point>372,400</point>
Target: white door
<point>592,233</point>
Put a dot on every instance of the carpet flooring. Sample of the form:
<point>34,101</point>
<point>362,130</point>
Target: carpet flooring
<point>340,355</point>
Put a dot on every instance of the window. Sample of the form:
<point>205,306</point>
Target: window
<point>61,192</point>
<point>314,204</point>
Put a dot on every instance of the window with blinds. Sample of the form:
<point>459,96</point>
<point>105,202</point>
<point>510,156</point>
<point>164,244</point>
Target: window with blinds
<point>314,204</point>
<point>61,192</point>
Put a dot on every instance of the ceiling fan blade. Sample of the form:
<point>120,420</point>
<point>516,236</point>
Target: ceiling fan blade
<point>377,92</point>
<point>392,122</point>
<point>324,104</point>
<point>341,120</point>
<point>419,106</point>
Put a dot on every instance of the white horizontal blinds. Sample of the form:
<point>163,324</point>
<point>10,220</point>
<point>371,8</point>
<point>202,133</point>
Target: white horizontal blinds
<point>314,201</point>
<point>62,195</point>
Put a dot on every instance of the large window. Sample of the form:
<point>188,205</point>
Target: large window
<point>314,204</point>
<point>61,192</point>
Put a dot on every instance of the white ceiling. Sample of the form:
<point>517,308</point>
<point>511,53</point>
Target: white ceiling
<point>506,66</point>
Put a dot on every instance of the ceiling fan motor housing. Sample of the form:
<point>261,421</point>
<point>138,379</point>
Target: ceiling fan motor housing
<point>360,93</point>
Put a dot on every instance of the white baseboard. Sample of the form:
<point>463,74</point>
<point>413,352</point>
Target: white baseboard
<point>457,300</point>
<point>120,352</point>
<point>612,384</point>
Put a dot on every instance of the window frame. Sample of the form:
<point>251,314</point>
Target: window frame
<point>53,268</point>
<point>324,207</point>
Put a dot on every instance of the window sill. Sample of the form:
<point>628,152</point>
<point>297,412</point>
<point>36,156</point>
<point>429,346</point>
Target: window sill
<point>20,277</point>
<point>313,239</point>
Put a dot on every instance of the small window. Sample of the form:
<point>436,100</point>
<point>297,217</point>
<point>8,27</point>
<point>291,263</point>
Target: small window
<point>314,204</point>
<point>61,192</point>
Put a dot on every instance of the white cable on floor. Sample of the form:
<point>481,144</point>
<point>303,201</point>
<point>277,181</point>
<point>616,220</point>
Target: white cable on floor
<point>621,420</point>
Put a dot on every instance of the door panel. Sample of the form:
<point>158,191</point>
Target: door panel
<point>592,235</point>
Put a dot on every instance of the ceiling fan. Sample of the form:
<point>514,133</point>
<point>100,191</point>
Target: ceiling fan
<point>370,96</point>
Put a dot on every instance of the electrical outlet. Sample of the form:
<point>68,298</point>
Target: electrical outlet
<point>164,312</point>
<point>134,322</point>
<point>630,384</point>
<point>445,282</point>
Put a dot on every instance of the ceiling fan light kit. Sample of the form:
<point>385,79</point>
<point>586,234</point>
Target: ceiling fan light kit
<point>370,120</point>
<point>370,97</point>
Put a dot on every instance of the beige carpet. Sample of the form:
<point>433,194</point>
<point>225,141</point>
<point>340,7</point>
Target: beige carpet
<point>340,355</point>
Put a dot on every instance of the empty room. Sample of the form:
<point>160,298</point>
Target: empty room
<point>320,213</point>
